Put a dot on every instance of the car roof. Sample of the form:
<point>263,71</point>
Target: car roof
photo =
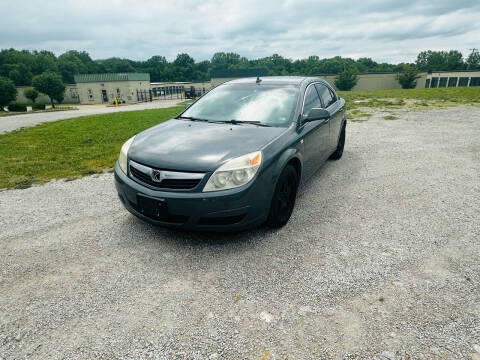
<point>274,80</point>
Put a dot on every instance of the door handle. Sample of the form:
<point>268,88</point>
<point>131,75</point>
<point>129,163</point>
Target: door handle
<point>326,121</point>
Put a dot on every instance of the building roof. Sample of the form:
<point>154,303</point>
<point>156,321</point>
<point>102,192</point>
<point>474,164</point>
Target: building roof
<point>86,78</point>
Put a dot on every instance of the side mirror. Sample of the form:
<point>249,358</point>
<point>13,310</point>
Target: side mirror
<point>317,114</point>
<point>187,105</point>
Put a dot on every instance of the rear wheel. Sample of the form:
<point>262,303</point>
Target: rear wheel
<point>341,144</point>
<point>284,197</point>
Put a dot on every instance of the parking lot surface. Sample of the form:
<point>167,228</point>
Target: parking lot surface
<point>13,122</point>
<point>379,260</point>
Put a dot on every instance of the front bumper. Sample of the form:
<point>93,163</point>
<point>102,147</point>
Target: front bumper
<point>227,210</point>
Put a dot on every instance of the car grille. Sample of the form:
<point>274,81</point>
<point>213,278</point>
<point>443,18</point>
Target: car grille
<point>175,180</point>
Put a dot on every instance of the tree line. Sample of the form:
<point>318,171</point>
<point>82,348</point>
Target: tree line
<point>47,73</point>
<point>21,66</point>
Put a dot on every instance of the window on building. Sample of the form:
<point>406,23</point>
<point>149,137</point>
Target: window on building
<point>427,83</point>
<point>452,82</point>
<point>463,81</point>
<point>443,82</point>
<point>475,81</point>
<point>90,95</point>
<point>434,82</point>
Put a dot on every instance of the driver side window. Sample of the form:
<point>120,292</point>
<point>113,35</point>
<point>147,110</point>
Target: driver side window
<point>311,100</point>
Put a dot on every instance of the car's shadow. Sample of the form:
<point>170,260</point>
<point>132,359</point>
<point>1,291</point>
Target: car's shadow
<point>205,239</point>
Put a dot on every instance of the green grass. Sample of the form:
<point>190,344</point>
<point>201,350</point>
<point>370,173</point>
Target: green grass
<point>458,95</point>
<point>390,117</point>
<point>357,114</point>
<point>71,148</point>
<point>87,145</point>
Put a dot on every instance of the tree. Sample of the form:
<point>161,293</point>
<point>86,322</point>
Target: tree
<point>50,84</point>
<point>74,62</point>
<point>473,60</point>
<point>346,80</point>
<point>408,77</point>
<point>8,92</point>
<point>20,75</point>
<point>31,94</point>
<point>440,60</point>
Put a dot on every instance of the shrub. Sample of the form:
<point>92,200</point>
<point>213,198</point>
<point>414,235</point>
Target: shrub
<point>346,80</point>
<point>38,106</point>
<point>8,92</point>
<point>17,107</point>
<point>31,94</point>
<point>408,77</point>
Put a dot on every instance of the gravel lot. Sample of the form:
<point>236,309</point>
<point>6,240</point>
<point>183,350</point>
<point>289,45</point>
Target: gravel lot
<point>13,122</point>
<point>380,260</point>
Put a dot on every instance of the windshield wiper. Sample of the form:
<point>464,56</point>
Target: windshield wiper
<point>192,118</point>
<point>238,122</point>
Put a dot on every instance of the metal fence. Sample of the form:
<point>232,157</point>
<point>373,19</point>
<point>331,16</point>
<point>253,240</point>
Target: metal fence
<point>144,95</point>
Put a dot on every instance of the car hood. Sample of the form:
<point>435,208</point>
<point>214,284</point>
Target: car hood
<point>198,146</point>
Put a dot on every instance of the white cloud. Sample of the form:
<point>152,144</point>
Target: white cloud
<point>384,30</point>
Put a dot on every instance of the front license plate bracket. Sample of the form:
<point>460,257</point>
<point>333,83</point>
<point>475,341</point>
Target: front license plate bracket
<point>152,207</point>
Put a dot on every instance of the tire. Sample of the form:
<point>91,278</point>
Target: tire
<point>283,200</point>
<point>341,144</point>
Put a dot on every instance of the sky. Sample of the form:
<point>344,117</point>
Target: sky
<point>387,31</point>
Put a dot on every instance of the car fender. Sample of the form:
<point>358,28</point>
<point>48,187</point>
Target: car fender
<point>283,160</point>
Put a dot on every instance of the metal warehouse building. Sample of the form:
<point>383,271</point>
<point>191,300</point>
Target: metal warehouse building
<point>127,88</point>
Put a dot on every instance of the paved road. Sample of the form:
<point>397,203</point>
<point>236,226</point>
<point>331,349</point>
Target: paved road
<point>380,260</point>
<point>13,122</point>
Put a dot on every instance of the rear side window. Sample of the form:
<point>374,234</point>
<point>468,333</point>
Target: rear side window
<point>325,95</point>
<point>311,100</point>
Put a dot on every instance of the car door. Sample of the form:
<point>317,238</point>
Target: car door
<point>315,134</point>
<point>330,102</point>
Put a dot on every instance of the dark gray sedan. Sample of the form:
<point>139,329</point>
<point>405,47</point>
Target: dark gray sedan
<point>235,158</point>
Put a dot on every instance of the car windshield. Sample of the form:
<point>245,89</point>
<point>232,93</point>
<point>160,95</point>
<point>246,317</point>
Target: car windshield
<point>262,104</point>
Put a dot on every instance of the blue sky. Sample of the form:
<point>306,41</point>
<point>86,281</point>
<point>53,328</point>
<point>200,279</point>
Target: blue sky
<point>391,31</point>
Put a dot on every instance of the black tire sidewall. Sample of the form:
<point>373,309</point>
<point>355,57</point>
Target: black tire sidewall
<point>274,220</point>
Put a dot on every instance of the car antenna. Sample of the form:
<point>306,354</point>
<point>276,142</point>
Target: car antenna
<point>258,80</point>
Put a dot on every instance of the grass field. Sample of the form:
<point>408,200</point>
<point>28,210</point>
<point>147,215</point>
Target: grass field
<point>362,104</point>
<point>457,95</point>
<point>87,145</point>
<point>71,148</point>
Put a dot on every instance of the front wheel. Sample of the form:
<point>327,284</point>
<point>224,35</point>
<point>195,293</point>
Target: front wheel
<point>284,197</point>
<point>340,145</point>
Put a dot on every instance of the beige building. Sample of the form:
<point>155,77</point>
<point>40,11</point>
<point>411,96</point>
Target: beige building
<point>128,88</point>
<point>371,81</point>
<point>70,96</point>
<point>376,81</point>
<point>452,79</point>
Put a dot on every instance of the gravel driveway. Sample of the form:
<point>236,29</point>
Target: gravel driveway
<point>13,122</point>
<point>381,259</point>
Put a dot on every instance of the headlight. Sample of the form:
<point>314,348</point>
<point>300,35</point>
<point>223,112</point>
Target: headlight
<point>122,158</point>
<point>235,173</point>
